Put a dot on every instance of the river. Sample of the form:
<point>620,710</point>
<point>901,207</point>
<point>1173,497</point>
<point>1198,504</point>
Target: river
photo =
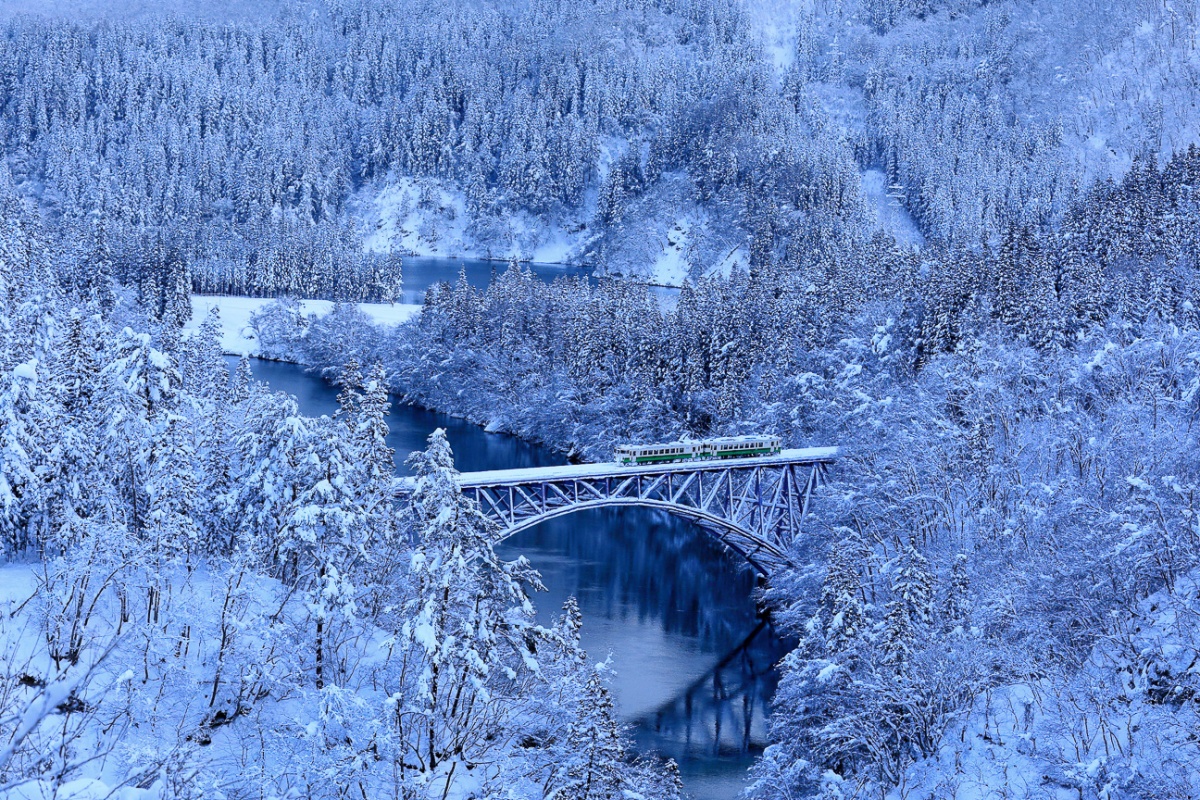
<point>693,662</point>
<point>421,273</point>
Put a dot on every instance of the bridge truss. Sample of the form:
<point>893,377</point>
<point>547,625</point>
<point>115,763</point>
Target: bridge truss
<point>755,506</point>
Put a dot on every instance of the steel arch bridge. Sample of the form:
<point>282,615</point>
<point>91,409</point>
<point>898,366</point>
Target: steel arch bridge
<point>755,506</point>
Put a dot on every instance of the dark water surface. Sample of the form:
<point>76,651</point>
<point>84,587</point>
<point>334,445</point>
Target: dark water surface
<point>422,272</point>
<point>692,661</point>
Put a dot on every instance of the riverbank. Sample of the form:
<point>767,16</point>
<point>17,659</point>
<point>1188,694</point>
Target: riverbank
<point>239,337</point>
<point>635,575</point>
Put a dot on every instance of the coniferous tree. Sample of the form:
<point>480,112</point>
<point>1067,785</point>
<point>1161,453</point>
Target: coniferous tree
<point>910,611</point>
<point>465,625</point>
<point>21,459</point>
<point>844,613</point>
<point>595,769</point>
<point>957,608</point>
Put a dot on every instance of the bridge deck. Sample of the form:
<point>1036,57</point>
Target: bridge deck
<point>507,477</point>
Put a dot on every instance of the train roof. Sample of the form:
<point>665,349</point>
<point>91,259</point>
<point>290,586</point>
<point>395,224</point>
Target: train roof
<point>659,444</point>
<point>716,440</point>
<point>737,439</point>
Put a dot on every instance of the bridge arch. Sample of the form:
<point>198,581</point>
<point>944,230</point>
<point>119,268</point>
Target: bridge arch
<point>762,554</point>
<point>755,506</point>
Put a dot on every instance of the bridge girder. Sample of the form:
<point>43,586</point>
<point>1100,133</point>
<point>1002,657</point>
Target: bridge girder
<point>755,507</point>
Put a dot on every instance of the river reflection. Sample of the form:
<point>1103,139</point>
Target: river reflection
<point>674,610</point>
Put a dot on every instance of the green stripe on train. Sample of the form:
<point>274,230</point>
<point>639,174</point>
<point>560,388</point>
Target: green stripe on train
<point>731,453</point>
<point>698,457</point>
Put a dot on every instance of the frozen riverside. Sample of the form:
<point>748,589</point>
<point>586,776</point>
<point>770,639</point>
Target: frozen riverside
<point>756,506</point>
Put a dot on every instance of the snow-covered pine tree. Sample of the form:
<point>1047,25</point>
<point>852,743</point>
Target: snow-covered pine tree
<point>140,387</point>
<point>78,487</point>
<point>172,492</point>
<point>910,611</point>
<point>350,396</point>
<point>594,770</point>
<point>376,460</point>
<point>203,367</point>
<point>843,611</point>
<point>465,632</point>
<point>956,611</point>
<point>22,461</point>
<point>242,381</point>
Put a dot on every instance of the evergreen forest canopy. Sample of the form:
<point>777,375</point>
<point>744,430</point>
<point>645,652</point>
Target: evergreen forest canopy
<point>236,157</point>
<point>1002,594</point>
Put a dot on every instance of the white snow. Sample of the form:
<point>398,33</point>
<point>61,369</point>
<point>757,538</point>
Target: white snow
<point>559,248</point>
<point>26,371</point>
<point>431,218</point>
<point>238,336</point>
<point>1092,734</point>
<point>80,789</point>
<point>671,266</point>
<point>416,219</point>
<point>890,214</point>
<point>737,258</point>
<point>680,255</point>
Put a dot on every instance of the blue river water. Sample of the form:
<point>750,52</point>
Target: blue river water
<point>675,612</point>
<point>421,273</point>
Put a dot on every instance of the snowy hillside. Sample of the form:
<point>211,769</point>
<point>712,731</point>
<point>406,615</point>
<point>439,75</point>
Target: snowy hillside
<point>751,127</point>
<point>1073,92</point>
<point>957,239</point>
<point>1122,725</point>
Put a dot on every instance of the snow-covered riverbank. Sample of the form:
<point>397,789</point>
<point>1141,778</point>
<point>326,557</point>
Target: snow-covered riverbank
<point>238,336</point>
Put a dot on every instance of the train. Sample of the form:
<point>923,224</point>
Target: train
<point>703,450</point>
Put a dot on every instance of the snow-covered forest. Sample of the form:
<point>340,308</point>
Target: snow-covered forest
<point>958,239</point>
<point>205,593</point>
<point>995,592</point>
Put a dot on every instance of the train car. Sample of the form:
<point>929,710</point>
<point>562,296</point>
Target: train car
<point>725,447</point>
<point>656,453</point>
<point>742,446</point>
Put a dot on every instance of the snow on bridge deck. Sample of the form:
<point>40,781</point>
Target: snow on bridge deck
<point>510,477</point>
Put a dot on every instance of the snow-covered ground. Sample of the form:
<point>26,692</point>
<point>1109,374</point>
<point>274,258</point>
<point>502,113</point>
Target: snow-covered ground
<point>890,214</point>
<point>671,267</point>
<point>428,218</point>
<point>666,237</point>
<point>1125,720</point>
<point>238,336</point>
